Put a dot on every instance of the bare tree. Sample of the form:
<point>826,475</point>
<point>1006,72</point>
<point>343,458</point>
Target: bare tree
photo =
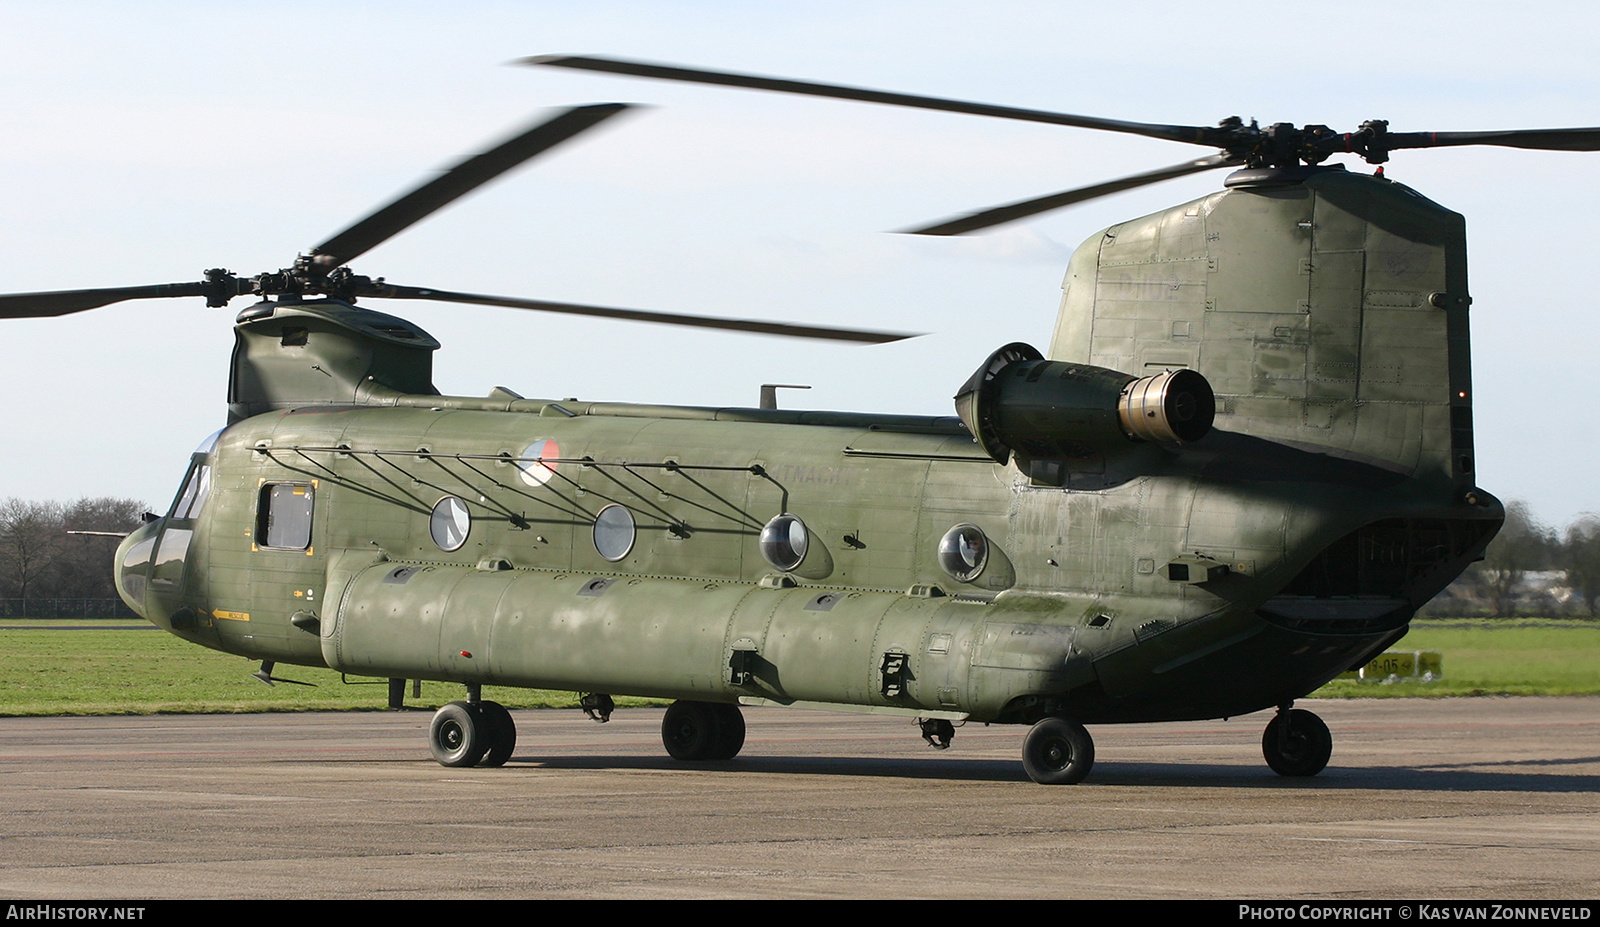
<point>86,569</point>
<point>31,536</point>
<point>40,559</point>
<point>1581,557</point>
<point>1522,546</point>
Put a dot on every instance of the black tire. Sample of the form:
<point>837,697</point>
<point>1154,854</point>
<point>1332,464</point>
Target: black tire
<point>730,732</point>
<point>457,736</point>
<point>1297,743</point>
<point>1057,751</point>
<point>691,731</point>
<point>501,731</point>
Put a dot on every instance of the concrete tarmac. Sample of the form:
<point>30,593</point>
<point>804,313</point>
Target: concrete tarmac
<point>1425,800</point>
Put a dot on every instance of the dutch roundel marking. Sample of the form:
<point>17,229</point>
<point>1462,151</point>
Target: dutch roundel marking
<point>536,472</point>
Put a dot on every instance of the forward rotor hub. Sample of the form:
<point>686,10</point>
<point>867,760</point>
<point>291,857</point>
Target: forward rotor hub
<point>1284,144</point>
<point>315,274</point>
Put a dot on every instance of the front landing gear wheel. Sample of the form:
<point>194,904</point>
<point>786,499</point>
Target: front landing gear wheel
<point>1297,743</point>
<point>457,735</point>
<point>501,732</point>
<point>1057,751</point>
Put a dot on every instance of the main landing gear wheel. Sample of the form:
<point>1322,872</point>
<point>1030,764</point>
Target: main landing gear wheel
<point>501,732</point>
<point>730,731</point>
<point>463,734</point>
<point>457,735</point>
<point>702,731</point>
<point>1057,751</point>
<point>1296,743</point>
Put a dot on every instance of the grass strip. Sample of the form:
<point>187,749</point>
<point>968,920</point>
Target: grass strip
<point>129,669</point>
<point>1503,656</point>
<point>117,668</point>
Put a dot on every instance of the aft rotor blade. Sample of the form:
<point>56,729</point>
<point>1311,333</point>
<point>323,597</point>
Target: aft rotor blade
<point>1012,211</point>
<point>865,336</point>
<point>1542,139</point>
<point>460,180</point>
<point>66,302</point>
<point>1200,135</point>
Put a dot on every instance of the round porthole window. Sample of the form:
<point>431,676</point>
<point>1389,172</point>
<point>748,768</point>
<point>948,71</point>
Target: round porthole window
<point>449,524</point>
<point>784,541</point>
<point>614,532</point>
<point>963,551</point>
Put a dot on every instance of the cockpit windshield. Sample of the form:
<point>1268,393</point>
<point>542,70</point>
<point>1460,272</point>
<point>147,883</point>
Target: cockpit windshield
<point>197,482</point>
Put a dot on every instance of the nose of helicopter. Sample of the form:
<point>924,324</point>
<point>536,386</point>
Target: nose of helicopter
<point>132,567</point>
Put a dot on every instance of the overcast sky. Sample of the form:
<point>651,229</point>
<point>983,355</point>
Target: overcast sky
<point>146,142</point>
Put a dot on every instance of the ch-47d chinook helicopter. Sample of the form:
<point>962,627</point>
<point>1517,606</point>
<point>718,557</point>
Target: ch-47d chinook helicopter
<point>1244,463</point>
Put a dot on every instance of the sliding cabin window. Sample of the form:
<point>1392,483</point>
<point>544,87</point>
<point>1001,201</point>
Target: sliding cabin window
<point>283,516</point>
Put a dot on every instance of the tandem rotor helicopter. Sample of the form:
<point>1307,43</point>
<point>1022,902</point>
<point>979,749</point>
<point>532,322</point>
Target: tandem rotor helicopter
<point>1241,466</point>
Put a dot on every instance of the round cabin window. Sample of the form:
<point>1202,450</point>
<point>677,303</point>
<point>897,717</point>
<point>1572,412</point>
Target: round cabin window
<point>784,541</point>
<point>450,523</point>
<point>963,551</point>
<point>614,532</point>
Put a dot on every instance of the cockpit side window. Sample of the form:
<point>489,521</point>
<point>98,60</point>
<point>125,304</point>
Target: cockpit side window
<point>283,515</point>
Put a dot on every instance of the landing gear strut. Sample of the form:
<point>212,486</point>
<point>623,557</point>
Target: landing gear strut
<point>1057,751</point>
<point>1296,743</point>
<point>597,705</point>
<point>703,731</point>
<point>938,732</point>
<point>467,734</point>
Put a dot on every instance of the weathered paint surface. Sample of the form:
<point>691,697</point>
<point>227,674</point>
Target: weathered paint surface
<point>1333,497</point>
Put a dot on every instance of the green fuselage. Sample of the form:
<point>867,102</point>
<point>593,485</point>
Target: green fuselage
<point>1075,603</point>
<point>1140,581</point>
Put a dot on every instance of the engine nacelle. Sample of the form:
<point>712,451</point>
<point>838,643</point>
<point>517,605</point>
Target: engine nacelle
<point>1052,410</point>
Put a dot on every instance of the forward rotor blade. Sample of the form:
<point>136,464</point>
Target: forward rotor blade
<point>1199,135</point>
<point>1012,211</point>
<point>460,180</point>
<point>66,302</point>
<point>390,291</point>
<point>1543,139</point>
